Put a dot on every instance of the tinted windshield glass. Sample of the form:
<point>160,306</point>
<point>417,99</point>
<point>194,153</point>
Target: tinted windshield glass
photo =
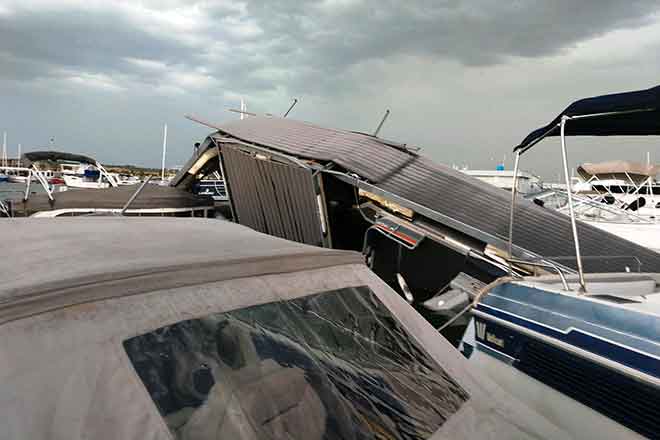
<point>335,365</point>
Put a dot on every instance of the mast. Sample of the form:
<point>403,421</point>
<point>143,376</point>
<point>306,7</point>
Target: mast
<point>162,171</point>
<point>4,148</point>
<point>19,155</point>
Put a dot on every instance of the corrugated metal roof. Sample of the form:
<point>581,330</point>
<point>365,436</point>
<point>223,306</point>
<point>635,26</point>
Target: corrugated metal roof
<point>447,191</point>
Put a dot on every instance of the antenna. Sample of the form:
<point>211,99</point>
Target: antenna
<point>162,170</point>
<point>382,121</point>
<point>293,104</point>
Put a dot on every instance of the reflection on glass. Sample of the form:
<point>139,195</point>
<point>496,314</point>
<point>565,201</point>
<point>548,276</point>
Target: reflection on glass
<point>335,365</point>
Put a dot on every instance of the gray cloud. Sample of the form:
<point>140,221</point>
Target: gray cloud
<point>140,64</point>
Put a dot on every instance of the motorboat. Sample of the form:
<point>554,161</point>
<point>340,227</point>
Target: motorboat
<point>77,170</point>
<point>601,212</point>
<point>213,186</point>
<point>581,348</point>
<point>628,185</point>
<point>4,177</point>
<point>199,328</point>
<point>151,201</point>
<point>125,179</point>
<point>527,182</point>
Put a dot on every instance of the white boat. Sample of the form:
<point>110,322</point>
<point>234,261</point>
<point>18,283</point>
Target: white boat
<point>629,185</point>
<point>125,179</point>
<point>204,329</point>
<point>627,224</point>
<point>527,183</point>
<point>83,182</point>
<point>582,349</point>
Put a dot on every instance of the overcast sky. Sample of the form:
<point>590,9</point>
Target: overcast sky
<point>465,80</point>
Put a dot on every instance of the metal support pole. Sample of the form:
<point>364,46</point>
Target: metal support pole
<point>134,196</point>
<point>514,188</point>
<point>569,192</point>
<point>162,168</point>
<point>27,186</point>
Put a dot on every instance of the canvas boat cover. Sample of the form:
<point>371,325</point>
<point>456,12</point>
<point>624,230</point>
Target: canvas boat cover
<point>37,156</point>
<point>459,201</point>
<point>117,328</point>
<point>632,113</point>
<point>151,197</point>
<point>589,170</point>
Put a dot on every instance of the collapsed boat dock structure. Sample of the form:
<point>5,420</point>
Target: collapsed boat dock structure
<point>408,214</point>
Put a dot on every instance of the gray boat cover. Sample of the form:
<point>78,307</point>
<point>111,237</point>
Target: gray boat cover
<point>588,170</point>
<point>37,156</point>
<point>109,345</point>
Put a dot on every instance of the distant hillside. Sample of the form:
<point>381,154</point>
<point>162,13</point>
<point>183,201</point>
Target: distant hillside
<point>138,171</point>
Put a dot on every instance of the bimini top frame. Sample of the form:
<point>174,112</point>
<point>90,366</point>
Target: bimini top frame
<point>631,113</point>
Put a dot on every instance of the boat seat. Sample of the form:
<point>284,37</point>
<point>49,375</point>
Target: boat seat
<point>256,398</point>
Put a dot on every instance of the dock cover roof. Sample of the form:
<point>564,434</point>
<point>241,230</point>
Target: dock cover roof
<point>460,201</point>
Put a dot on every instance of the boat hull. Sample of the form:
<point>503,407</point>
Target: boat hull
<point>571,415</point>
<point>602,357</point>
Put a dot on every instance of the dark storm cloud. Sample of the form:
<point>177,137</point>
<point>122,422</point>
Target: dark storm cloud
<point>39,41</point>
<point>315,42</point>
<point>341,33</point>
<point>67,65</point>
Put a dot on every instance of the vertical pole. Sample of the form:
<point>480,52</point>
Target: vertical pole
<point>242,109</point>
<point>569,192</point>
<point>4,148</point>
<point>27,186</point>
<point>514,188</point>
<point>162,168</point>
<point>19,156</point>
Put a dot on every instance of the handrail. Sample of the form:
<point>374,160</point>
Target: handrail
<point>547,264</point>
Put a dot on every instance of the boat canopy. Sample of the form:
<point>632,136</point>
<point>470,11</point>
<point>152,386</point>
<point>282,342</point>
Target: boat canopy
<point>619,114</point>
<point>36,156</point>
<point>588,170</point>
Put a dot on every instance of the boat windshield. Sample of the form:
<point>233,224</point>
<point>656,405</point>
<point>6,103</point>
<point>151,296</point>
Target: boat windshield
<point>334,365</point>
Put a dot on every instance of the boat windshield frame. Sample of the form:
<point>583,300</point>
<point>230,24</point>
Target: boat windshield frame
<point>567,180</point>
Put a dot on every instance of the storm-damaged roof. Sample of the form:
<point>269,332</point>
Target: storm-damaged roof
<point>455,199</point>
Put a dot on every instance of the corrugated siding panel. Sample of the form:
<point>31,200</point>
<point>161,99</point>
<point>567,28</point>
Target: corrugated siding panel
<point>273,198</point>
<point>440,188</point>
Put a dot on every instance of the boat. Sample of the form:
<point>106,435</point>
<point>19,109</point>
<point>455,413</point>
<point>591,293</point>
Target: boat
<point>602,213</point>
<point>4,177</point>
<point>76,170</point>
<point>213,186</point>
<point>199,328</point>
<point>628,185</point>
<point>125,179</point>
<point>152,201</point>
<point>581,348</point>
<point>528,183</point>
